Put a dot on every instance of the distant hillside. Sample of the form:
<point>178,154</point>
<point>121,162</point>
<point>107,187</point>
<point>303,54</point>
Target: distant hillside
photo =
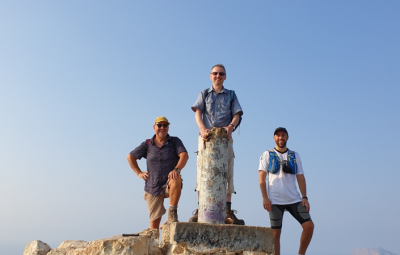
<point>374,251</point>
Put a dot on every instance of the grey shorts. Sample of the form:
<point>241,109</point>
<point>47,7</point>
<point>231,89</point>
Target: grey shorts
<point>230,188</point>
<point>297,210</point>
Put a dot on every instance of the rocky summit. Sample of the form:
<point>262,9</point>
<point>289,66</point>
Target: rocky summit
<point>177,238</point>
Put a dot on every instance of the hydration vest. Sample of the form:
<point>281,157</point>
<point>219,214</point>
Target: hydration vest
<point>288,166</point>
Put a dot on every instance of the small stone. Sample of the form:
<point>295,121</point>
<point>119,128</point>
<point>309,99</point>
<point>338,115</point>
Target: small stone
<point>36,247</point>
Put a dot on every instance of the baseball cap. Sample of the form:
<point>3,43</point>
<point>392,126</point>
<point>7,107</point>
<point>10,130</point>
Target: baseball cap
<point>280,129</point>
<point>160,119</point>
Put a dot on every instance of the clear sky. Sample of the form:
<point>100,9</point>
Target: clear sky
<point>81,83</point>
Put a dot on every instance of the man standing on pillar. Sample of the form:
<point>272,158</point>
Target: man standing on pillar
<point>218,107</point>
<point>165,156</point>
<point>283,168</point>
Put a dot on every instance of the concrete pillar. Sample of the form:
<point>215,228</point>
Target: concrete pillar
<point>214,171</point>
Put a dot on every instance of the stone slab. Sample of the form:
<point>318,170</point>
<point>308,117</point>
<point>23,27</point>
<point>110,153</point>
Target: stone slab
<point>202,238</point>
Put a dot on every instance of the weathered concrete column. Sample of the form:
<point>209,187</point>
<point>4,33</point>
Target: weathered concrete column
<point>214,170</point>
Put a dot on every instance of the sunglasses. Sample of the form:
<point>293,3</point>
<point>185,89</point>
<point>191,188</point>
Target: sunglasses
<point>162,125</point>
<point>220,73</point>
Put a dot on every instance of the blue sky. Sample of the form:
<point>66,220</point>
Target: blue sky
<point>81,83</point>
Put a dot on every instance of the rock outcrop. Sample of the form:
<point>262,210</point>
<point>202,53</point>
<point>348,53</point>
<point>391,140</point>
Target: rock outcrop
<point>109,246</point>
<point>179,238</point>
<point>36,247</point>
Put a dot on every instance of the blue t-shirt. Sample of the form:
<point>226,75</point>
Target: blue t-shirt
<point>216,107</point>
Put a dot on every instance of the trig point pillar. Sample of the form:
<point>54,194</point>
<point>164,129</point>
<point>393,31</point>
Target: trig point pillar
<point>214,171</point>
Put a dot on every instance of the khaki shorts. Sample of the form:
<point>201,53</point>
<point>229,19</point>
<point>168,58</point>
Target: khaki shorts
<point>230,188</point>
<point>155,204</point>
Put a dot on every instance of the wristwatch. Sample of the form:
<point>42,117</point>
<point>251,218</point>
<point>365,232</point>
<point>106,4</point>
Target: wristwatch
<point>179,170</point>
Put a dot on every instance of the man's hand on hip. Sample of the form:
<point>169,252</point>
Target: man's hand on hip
<point>143,175</point>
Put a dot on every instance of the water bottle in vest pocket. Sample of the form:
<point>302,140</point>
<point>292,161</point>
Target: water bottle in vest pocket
<point>291,158</point>
<point>274,162</point>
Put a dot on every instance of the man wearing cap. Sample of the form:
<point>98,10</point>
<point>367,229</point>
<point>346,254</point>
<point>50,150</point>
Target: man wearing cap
<point>218,107</point>
<point>283,169</point>
<point>165,157</point>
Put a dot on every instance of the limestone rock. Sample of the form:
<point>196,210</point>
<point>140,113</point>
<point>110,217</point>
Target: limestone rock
<point>116,245</point>
<point>181,238</point>
<point>70,247</point>
<point>36,247</point>
<point>201,238</point>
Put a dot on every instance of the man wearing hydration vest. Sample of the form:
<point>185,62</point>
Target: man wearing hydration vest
<point>218,107</point>
<point>282,168</point>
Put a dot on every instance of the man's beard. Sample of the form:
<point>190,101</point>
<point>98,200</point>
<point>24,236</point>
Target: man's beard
<point>283,146</point>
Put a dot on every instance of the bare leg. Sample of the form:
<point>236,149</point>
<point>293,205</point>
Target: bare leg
<point>277,240</point>
<point>155,224</point>
<point>175,188</point>
<point>228,197</point>
<point>162,225</point>
<point>306,235</point>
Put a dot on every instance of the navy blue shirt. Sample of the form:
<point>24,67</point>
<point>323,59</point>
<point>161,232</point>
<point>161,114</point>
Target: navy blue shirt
<point>160,161</point>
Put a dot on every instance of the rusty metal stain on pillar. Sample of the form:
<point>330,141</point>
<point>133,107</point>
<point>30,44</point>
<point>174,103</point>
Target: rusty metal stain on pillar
<point>214,171</point>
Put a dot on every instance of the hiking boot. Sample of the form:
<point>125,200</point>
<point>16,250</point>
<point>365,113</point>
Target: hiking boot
<point>232,219</point>
<point>195,216</point>
<point>172,215</point>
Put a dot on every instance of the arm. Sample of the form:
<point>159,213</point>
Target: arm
<point>263,187</point>
<point>200,123</point>
<point>135,167</point>
<point>183,158</point>
<point>234,122</point>
<point>301,181</point>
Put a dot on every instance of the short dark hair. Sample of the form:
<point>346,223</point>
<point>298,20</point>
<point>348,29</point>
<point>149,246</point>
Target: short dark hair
<point>219,65</point>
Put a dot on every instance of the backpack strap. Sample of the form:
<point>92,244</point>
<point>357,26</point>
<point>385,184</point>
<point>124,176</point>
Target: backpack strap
<point>205,93</point>
<point>147,142</point>
<point>240,117</point>
<point>232,95</point>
